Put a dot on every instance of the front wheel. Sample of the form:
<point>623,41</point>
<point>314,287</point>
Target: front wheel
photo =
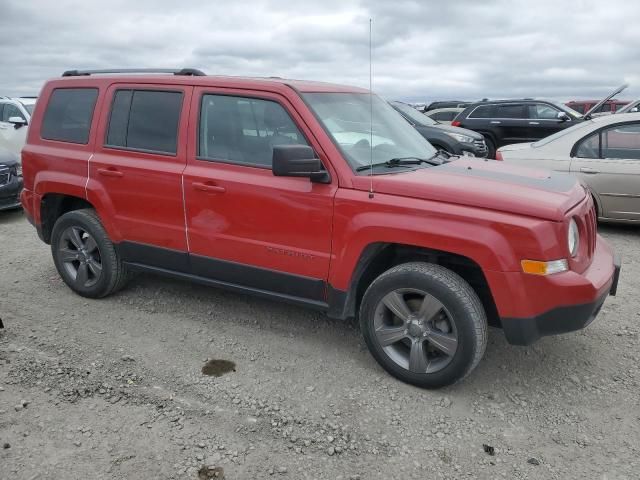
<point>84,256</point>
<point>424,324</point>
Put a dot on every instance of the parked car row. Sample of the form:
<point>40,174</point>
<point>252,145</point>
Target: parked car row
<point>604,152</point>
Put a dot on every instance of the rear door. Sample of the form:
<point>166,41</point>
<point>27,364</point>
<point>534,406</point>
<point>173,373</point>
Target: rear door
<point>511,120</point>
<point>137,170</point>
<point>609,162</point>
<point>11,138</point>
<point>246,226</point>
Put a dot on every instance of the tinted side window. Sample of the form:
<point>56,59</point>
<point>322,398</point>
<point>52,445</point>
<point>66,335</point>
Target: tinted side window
<point>69,114</point>
<point>589,147</point>
<point>483,111</point>
<point>145,120</point>
<point>510,111</point>
<point>244,130</point>
<point>622,141</point>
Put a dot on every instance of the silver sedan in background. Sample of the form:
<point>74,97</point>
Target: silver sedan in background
<point>604,152</point>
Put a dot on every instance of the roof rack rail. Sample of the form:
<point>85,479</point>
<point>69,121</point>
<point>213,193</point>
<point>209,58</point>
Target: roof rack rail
<point>174,71</point>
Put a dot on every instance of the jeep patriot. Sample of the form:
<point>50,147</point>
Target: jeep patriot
<point>292,190</point>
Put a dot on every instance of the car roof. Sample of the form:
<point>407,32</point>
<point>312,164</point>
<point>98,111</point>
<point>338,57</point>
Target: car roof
<point>259,83</point>
<point>510,100</point>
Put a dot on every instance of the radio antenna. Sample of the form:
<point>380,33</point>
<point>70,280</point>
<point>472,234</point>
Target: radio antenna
<point>370,115</point>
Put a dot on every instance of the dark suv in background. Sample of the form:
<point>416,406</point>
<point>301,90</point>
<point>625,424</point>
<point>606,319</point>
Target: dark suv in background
<point>455,140</point>
<point>503,122</point>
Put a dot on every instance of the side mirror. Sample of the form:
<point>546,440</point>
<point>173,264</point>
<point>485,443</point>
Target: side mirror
<point>17,122</point>
<point>564,116</point>
<point>298,161</point>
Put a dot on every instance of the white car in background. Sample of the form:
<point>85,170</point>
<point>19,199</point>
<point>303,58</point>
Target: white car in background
<point>444,115</point>
<point>15,116</point>
<point>604,152</point>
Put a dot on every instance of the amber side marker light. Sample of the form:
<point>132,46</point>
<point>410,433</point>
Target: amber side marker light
<point>536,267</point>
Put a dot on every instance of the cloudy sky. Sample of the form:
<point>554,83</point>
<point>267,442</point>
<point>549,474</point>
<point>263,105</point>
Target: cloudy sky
<point>423,50</point>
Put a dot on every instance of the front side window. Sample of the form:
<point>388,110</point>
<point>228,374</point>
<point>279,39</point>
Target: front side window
<point>68,115</point>
<point>348,118</point>
<point>145,120</point>
<point>542,111</point>
<point>589,147</point>
<point>244,130</point>
<point>621,141</point>
<point>11,111</point>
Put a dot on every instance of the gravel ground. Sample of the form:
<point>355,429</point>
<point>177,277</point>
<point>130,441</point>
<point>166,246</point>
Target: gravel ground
<point>114,388</point>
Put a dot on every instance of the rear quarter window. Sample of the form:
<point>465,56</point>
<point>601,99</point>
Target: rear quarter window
<point>68,115</point>
<point>482,111</point>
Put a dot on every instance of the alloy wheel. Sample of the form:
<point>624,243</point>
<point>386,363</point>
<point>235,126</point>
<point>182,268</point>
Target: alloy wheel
<point>80,257</point>
<point>415,330</point>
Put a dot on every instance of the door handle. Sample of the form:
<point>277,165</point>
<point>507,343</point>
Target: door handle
<point>3,127</point>
<point>495,122</point>
<point>534,123</point>
<point>589,170</point>
<point>209,188</point>
<point>110,172</point>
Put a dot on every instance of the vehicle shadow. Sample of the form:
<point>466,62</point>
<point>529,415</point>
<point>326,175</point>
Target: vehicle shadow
<point>504,366</point>
<point>11,216</point>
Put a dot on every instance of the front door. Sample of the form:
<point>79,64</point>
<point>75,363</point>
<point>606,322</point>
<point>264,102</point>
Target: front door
<point>247,227</point>
<point>609,162</point>
<point>137,169</point>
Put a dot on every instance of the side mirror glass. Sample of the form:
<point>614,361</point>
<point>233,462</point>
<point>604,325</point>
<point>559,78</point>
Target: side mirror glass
<point>298,161</point>
<point>563,116</point>
<point>17,121</point>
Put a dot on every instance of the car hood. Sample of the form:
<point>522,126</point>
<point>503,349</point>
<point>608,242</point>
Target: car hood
<point>8,158</point>
<point>459,130</point>
<point>486,184</point>
<point>515,146</point>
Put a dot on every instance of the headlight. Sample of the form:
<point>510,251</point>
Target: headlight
<point>573,238</point>
<point>460,137</point>
<point>19,169</point>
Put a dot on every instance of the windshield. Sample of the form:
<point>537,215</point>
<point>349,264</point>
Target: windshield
<point>561,133</point>
<point>569,110</point>
<point>29,108</point>
<point>413,115</point>
<point>347,119</point>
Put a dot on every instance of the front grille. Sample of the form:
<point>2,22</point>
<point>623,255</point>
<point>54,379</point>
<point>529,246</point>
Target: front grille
<point>591,226</point>
<point>4,177</point>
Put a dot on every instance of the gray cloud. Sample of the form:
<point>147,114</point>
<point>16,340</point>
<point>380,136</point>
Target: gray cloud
<point>422,50</point>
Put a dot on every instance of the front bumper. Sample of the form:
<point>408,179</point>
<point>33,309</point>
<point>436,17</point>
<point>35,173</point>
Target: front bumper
<point>10,194</point>
<point>477,148</point>
<point>588,291</point>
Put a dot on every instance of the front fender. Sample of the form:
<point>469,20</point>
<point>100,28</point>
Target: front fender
<point>496,241</point>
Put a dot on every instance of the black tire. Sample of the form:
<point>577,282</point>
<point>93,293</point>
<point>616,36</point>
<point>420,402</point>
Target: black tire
<point>491,147</point>
<point>467,322</point>
<point>112,275</point>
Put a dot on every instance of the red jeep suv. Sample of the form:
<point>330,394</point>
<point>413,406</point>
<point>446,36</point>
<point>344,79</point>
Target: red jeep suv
<point>316,194</point>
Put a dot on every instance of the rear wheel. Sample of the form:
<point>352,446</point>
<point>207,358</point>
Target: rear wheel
<point>424,324</point>
<point>84,256</point>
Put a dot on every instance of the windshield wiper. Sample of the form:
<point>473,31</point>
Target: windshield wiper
<point>402,162</point>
